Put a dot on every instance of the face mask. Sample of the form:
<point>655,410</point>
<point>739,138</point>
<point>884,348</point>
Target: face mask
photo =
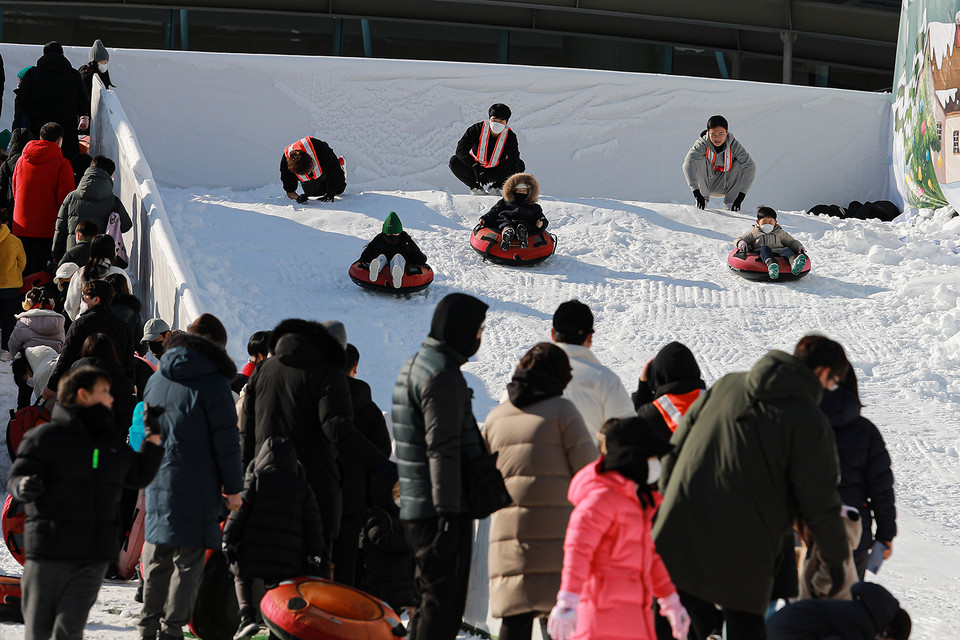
<point>156,348</point>
<point>102,67</point>
<point>520,198</point>
<point>497,127</point>
<point>653,470</point>
<point>766,228</point>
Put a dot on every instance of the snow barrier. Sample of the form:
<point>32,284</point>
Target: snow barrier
<point>165,283</point>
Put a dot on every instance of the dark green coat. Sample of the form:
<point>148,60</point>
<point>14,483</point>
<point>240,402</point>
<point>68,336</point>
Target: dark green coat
<point>433,426</point>
<point>751,454</point>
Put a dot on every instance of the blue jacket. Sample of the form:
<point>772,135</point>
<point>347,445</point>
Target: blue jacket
<point>201,443</point>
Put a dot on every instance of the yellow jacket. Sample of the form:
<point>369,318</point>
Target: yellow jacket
<point>12,259</point>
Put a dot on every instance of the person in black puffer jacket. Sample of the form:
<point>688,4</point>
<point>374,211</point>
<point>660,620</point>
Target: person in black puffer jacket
<point>394,247</point>
<point>866,480</point>
<point>276,534</point>
<point>100,351</point>
<point>18,140</point>
<point>517,213</point>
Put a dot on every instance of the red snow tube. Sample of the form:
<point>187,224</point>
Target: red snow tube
<point>751,267</point>
<point>10,596</point>
<point>417,278</point>
<point>316,609</point>
<point>540,246</point>
<point>133,543</point>
<point>13,520</point>
<point>37,279</point>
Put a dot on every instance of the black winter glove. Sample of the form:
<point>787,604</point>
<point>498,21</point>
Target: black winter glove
<point>29,488</point>
<point>230,553</point>
<point>701,203</point>
<point>151,420</point>
<point>838,575</point>
<point>387,469</point>
<point>445,543</point>
<point>327,197</point>
<point>739,201</point>
<point>302,198</point>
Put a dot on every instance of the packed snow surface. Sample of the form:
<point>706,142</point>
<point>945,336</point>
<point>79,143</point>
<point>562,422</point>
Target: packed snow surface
<point>652,273</point>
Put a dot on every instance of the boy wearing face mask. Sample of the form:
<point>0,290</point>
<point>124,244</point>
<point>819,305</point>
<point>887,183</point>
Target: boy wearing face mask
<point>517,214</point>
<point>770,240</point>
<point>488,153</point>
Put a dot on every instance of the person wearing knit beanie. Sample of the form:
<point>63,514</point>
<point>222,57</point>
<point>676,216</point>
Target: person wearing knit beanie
<point>393,247</point>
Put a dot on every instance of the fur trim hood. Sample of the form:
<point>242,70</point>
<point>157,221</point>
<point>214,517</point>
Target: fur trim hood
<point>189,356</point>
<point>510,187</point>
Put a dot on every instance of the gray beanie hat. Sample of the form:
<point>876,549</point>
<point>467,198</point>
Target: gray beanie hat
<point>336,329</point>
<point>98,52</point>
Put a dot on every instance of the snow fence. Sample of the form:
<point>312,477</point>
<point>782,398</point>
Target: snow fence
<point>165,282</point>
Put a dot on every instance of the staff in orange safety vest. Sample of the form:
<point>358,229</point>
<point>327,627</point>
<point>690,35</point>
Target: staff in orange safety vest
<point>718,165</point>
<point>311,164</point>
<point>669,385</point>
<point>488,153</point>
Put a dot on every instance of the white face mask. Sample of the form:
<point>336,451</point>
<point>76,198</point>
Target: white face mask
<point>766,228</point>
<point>102,67</point>
<point>653,470</point>
<point>497,127</point>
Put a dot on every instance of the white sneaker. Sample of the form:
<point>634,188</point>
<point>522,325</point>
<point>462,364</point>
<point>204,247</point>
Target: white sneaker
<point>375,267</point>
<point>5,356</point>
<point>397,273</point>
<point>478,191</point>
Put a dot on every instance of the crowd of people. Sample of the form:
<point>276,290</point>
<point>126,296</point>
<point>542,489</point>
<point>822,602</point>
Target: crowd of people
<point>674,513</point>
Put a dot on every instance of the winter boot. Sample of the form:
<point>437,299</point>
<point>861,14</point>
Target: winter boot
<point>248,624</point>
<point>506,237</point>
<point>375,266</point>
<point>522,234</point>
<point>397,273</point>
<point>799,262</point>
<point>773,269</point>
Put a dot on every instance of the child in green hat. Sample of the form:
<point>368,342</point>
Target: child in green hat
<point>394,247</point>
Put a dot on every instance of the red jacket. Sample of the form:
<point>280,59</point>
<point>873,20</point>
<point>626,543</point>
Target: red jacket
<point>41,180</point>
<point>609,558</point>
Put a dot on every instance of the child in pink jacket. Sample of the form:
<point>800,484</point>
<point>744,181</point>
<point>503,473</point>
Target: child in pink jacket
<point>611,571</point>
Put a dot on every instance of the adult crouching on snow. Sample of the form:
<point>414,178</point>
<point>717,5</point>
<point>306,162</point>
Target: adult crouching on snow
<point>201,467</point>
<point>753,453</point>
<point>434,427</point>
<point>70,473</point>
<point>669,384</point>
<point>517,214</point>
<point>92,200</point>
<point>488,153</point>
<point>542,442</point>
<point>718,165</point>
<point>311,163</point>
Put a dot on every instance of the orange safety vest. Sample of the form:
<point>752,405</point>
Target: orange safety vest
<point>481,154</point>
<point>304,144</point>
<point>727,159</point>
<point>673,406</point>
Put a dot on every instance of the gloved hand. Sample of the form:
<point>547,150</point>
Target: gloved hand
<point>318,567</point>
<point>151,420</point>
<point>327,197</point>
<point>445,543</point>
<point>387,469</point>
<point>739,201</point>
<point>84,122</point>
<point>302,198</point>
<point>676,615</point>
<point>838,575</point>
<point>801,249</point>
<point>742,245</point>
<point>29,488</point>
<point>562,622</point>
<point>230,553</point>
<point>701,202</point>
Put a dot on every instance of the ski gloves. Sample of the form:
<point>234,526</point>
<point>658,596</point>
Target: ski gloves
<point>676,615</point>
<point>563,618</point>
<point>739,201</point>
<point>302,198</point>
<point>742,246</point>
<point>447,539</point>
<point>327,197</point>
<point>28,489</point>
<point>701,201</point>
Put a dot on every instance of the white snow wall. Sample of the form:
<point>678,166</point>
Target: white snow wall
<point>221,120</point>
<point>165,282</point>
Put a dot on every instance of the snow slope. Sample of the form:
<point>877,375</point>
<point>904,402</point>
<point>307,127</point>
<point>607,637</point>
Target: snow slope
<point>652,273</point>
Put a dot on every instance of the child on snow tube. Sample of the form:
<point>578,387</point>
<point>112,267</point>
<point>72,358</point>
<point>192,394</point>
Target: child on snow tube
<point>770,240</point>
<point>517,213</point>
<point>394,247</point>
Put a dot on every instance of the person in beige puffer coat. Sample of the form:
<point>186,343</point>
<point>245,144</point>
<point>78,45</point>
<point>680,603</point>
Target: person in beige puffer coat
<point>770,240</point>
<point>541,442</point>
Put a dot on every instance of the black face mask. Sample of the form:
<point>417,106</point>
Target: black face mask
<point>156,348</point>
<point>520,198</point>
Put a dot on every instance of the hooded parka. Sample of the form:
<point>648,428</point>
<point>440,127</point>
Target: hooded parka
<point>540,447</point>
<point>37,327</point>
<point>673,383</point>
<point>12,259</point>
<point>776,239</point>
<point>751,454</point>
<point>41,181</point>
<point>508,211</point>
<point>201,457</point>
<point>92,200</point>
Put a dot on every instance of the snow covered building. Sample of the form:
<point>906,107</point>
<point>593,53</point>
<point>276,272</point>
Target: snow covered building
<point>943,79</point>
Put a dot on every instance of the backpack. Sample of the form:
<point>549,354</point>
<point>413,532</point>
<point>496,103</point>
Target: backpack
<point>22,421</point>
<point>113,230</point>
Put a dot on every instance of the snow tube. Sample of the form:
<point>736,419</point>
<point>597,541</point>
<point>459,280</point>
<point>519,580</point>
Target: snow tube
<point>12,521</point>
<point>316,609</point>
<point>37,279</point>
<point>133,543</point>
<point>10,595</point>
<point>540,246</point>
<point>750,266</point>
<point>417,278</point>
